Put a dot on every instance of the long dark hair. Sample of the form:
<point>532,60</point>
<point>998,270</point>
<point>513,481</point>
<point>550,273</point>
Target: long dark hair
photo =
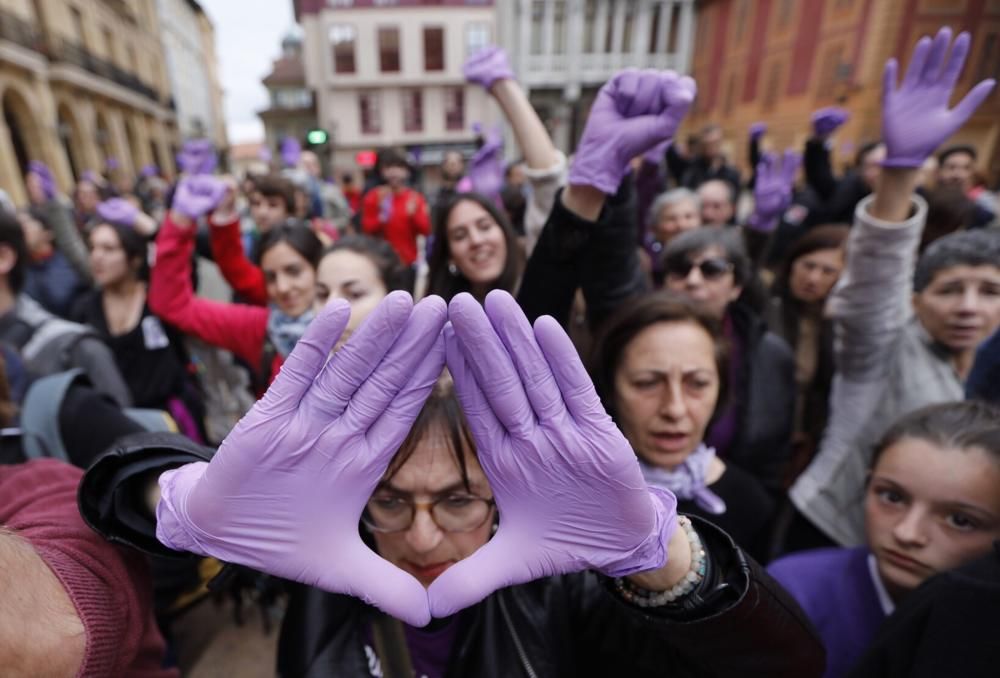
<point>827,237</point>
<point>441,281</point>
<point>297,235</point>
<point>660,307</point>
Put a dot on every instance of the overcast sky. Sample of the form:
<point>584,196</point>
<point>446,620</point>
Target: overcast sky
<point>247,39</point>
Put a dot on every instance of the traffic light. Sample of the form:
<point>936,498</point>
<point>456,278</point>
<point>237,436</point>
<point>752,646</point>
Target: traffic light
<point>317,137</point>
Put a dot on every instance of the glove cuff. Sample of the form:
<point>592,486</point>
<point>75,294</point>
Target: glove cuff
<point>651,554</point>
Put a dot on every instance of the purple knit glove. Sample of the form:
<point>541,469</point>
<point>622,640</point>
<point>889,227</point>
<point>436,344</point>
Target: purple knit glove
<point>486,166</point>
<point>772,193</point>
<point>198,195</point>
<point>567,484</point>
<point>291,151</point>
<point>915,115</point>
<point>634,111</point>
<point>285,492</point>
<point>118,211</point>
<point>197,157</point>
<point>487,66</point>
<point>757,130</point>
<point>826,120</point>
<point>45,179</point>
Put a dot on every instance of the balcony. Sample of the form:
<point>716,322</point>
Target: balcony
<point>21,32</point>
<point>71,53</point>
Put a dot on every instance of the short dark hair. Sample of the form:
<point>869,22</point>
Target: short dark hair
<point>274,186</point>
<point>957,148</point>
<point>298,236</point>
<point>135,245</point>
<point>729,240</point>
<point>980,247</point>
<point>440,280</point>
<point>380,253</point>
<point>12,236</point>
<point>659,307</point>
<point>960,425</point>
<point>825,237</point>
<point>390,157</point>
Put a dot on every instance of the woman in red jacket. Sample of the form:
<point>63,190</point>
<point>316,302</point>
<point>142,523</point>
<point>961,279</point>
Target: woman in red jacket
<point>260,336</point>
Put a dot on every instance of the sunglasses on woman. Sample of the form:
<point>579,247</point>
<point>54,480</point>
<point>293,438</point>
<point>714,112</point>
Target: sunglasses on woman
<point>711,269</point>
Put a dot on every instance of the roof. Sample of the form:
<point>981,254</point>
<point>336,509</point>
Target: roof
<point>246,151</point>
<point>288,70</point>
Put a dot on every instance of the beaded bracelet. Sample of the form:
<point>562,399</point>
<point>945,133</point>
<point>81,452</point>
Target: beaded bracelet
<point>644,598</point>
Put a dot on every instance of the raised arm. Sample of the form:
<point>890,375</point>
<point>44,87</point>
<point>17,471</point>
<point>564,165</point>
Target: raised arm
<point>819,173</point>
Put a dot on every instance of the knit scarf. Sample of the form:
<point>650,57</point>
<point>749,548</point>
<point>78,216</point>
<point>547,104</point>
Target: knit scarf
<point>284,330</point>
<point>687,481</point>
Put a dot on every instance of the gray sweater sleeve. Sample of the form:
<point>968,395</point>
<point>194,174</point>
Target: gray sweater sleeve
<point>67,237</point>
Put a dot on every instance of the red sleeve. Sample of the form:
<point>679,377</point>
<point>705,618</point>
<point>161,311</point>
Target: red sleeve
<point>236,327</point>
<point>227,251</point>
<point>109,585</point>
<point>370,209</point>
<point>421,219</point>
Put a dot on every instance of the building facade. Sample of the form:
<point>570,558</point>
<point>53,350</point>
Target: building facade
<point>292,108</point>
<point>779,60</point>
<point>564,50</point>
<point>189,49</point>
<point>389,73</point>
<point>83,87</point>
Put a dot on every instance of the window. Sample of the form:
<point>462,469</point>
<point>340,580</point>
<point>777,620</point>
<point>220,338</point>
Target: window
<point>454,109</point>
<point>609,35</point>
<point>784,13</point>
<point>773,88</point>
<point>654,28</point>
<point>388,49</point>
<point>559,28</point>
<point>629,22</point>
<point>109,44</point>
<point>433,48</point>
<point>291,98</point>
<point>81,37</point>
<point>589,21</point>
<point>413,110</point>
<point>342,39</point>
<point>371,114</point>
<point>477,37</point>
<point>537,26</point>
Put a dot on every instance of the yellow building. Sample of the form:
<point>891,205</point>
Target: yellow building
<point>82,84</point>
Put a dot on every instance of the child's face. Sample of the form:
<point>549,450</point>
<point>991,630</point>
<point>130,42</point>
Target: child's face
<point>929,509</point>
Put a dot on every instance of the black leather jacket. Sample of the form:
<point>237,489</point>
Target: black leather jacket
<point>740,622</point>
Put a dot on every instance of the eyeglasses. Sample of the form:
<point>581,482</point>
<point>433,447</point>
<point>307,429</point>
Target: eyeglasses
<point>453,513</point>
<point>711,269</point>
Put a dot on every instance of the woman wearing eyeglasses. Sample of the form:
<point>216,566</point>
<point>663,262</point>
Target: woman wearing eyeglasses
<point>753,429</point>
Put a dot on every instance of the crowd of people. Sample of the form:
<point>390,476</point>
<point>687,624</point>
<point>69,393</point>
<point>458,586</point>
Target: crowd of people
<point>622,413</point>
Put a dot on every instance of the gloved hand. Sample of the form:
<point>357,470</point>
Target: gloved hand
<point>118,211</point>
<point>197,156</point>
<point>291,151</point>
<point>634,111</point>
<point>486,166</point>
<point>825,121</point>
<point>655,155</point>
<point>757,130</point>
<point>772,194</point>
<point>915,115</point>
<point>487,66</point>
<point>46,182</point>
<point>148,171</point>
<point>285,492</point>
<point>567,483</point>
<point>198,195</point>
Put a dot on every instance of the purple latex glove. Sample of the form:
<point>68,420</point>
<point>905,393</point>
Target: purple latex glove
<point>264,154</point>
<point>655,155</point>
<point>825,121</point>
<point>149,171</point>
<point>111,163</point>
<point>46,181</point>
<point>915,115</point>
<point>634,111</point>
<point>291,151</point>
<point>118,211</point>
<point>772,193</point>
<point>285,492</point>
<point>757,130</point>
<point>486,167</point>
<point>567,484</point>
<point>487,66</point>
<point>197,156</point>
<point>198,195</point>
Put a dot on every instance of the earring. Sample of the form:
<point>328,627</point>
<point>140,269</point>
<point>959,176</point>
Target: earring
<point>452,268</point>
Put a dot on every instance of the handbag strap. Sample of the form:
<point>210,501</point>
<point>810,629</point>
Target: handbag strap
<point>390,646</point>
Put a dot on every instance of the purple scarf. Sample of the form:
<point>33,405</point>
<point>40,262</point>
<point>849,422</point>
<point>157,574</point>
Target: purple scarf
<point>687,481</point>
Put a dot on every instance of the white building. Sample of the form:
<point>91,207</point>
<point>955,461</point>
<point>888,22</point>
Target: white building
<point>191,66</point>
<point>564,50</point>
<point>389,73</point>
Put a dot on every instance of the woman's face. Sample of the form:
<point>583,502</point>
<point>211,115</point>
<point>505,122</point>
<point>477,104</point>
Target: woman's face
<point>476,243</point>
<point>813,275</point>
<point>709,280</point>
<point>343,274</point>
<point>109,263</point>
<point>960,307</point>
<point>675,219</point>
<point>930,509</point>
<point>290,280</point>
<point>431,474</point>
<point>666,388</point>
